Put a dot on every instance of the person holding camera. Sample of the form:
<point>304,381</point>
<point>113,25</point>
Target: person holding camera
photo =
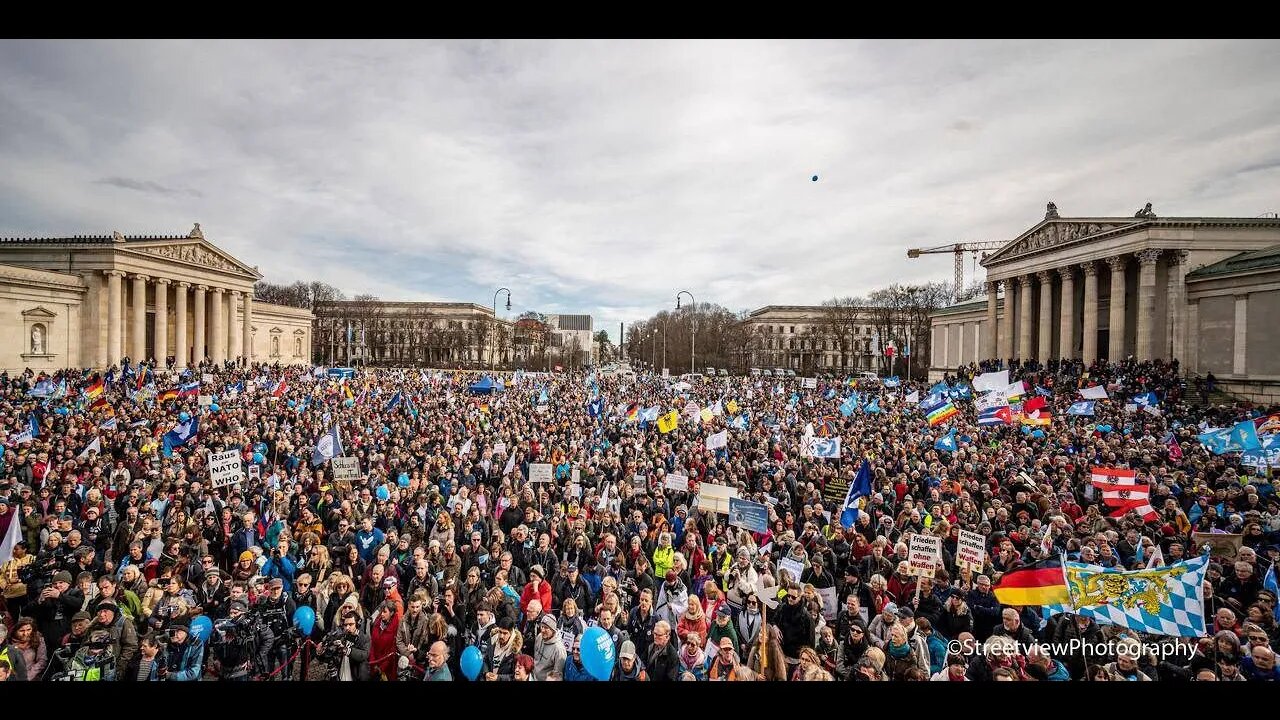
<point>183,654</point>
<point>56,604</point>
<point>346,650</point>
<point>240,644</point>
<point>275,610</point>
<point>280,565</point>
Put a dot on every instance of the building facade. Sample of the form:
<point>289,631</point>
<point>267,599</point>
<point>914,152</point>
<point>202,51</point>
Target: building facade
<point>90,301</point>
<point>572,335</point>
<point>808,338</point>
<point>432,334</point>
<point>1114,287</point>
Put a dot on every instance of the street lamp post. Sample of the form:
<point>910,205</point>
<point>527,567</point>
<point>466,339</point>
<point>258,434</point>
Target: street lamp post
<point>693,329</point>
<point>653,349</point>
<point>493,341</point>
<point>664,342</point>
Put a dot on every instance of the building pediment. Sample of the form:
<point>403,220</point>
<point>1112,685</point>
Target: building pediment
<point>1053,233</point>
<point>195,251</point>
<point>39,312</point>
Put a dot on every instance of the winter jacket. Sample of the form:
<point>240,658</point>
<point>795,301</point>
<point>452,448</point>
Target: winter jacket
<point>548,656</point>
<point>185,662</point>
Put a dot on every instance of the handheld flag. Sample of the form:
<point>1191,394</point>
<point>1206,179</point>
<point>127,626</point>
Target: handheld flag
<point>1041,583</point>
<point>1161,601</point>
<point>858,489</point>
<point>1084,407</point>
<point>180,435</point>
<point>946,442</point>
<point>1097,392</point>
<point>327,447</point>
<point>668,422</point>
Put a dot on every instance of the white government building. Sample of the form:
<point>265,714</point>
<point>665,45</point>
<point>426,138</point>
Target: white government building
<point>1203,290</point>
<point>89,300</point>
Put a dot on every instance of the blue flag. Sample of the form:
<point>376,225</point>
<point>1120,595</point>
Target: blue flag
<point>946,442</point>
<point>179,436</point>
<point>543,397</point>
<point>327,447</point>
<point>35,425</point>
<point>1146,399</point>
<point>860,488</point>
<point>892,382</point>
<point>1269,582</point>
<point>850,405</point>
<point>595,407</point>
<point>941,388</point>
<point>831,393</point>
<point>394,401</point>
<point>873,407</point>
<point>1084,407</point>
<point>1244,437</point>
<point>1043,392</point>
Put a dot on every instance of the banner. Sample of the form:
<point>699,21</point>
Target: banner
<point>809,383</point>
<point>540,473</point>
<point>924,556</point>
<point>346,469</point>
<point>834,491</point>
<point>718,440</point>
<point>992,381</point>
<point>205,400</point>
<point>971,551</point>
<point>1221,545</point>
<point>224,468</point>
<point>748,515</point>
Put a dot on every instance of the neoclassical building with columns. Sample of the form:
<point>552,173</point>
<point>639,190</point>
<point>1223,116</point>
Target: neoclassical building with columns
<point>90,300</point>
<point>1204,290</point>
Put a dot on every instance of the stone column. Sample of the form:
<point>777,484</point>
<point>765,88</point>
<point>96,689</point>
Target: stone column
<point>138,326</point>
<point>1067,318</point>
<point>234,335</point>
<point>1025,322</point>
<point>247,321</point>
<point>1191,363</point>
<point>1046,315</point>
<point>1115,350</point>
<point>1240,356</point>
<point>1005,338</point>
<point>218,326</point>
<point>162,321</point>
<point>181,342</point>
<point>1089,343</point>
<point>200,343</point>
<point>115,328</point>
<point>1147,303</point>
<point>989,341</point>
<point>1177,306</point>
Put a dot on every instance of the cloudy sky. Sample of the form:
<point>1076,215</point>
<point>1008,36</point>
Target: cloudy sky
<point>603,177</point>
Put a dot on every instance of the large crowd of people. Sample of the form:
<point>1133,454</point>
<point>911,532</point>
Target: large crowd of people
<point>440,557</point>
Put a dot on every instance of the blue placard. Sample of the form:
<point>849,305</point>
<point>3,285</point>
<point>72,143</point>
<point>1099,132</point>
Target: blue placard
<point>748,515</point>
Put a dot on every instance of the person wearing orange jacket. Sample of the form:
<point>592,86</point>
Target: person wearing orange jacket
<point>536,589</point>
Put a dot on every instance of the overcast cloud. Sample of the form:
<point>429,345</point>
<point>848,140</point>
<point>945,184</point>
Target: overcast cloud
<point>603,177</point>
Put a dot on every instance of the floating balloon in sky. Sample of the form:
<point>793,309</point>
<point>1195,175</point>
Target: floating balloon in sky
<point>815,178</point>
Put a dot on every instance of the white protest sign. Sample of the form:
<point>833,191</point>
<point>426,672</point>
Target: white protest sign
<point>540,473</point>
<point>810,384</point>
<point>255,472</point>
<point>829,606</point>
<point>205,400</point>
<point>345,468</point>
<point>224,467</point>
<point>971,551</point>
<point>679,483</point>
<point>575,475</point>
<point>206,379</point>
<point>715,498</point>
<point>499,448</point>
<point>925,554</point>
<point>795,567</point>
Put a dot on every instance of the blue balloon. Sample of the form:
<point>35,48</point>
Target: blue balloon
<point>260,448</point>
<point>215,408</point>
<point>598,653</point>
<point>1026,430</point>
<point>403,480</point>
<point>472,662</point>
<point>202,627</point>
<point>349,402</point>
<point>304,618</point>
<point>1037,434</point>
<point>184,416</point>
<point>383,493</point>
<point>62,410</point>
<point>259,458</point>
<point>1104,429</point>
<point>292,403</point>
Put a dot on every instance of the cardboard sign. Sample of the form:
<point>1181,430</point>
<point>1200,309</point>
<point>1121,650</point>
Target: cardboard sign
<point>971,551</point>
<point>206,378</point>
<point>345,468</point>
<point>205,400</point>
<point>715,498</point>
<point>792,566</point>
<point>224,467</point>
<point>925,554</point>
<point>540,473</point>
<point>809,384</point>
<point>676,482</point>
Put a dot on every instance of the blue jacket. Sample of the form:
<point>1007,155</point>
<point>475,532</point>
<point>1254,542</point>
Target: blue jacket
<point>937,653</point>
<point>184,661</point>
<point>1059,672</point>
<point>574,671</point>
<point>281,567</point>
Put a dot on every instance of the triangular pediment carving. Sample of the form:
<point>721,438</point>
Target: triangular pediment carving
<point>196,251</point>
<point>39,312</point>
<point>1054,233</point>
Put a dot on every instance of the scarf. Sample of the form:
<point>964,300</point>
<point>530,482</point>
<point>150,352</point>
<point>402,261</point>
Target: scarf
<point>899,652</point>
<point>691,657</point>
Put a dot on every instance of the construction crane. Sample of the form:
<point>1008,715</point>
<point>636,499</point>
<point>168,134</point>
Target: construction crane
<point>959,249</point>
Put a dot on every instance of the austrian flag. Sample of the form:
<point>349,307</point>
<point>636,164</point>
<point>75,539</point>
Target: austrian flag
<point>1122,492</point>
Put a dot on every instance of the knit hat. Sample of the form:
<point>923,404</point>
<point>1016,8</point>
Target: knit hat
<point>536,569</point>
<point>63,576</point>
<point>548,621</point>
<point>246,555</point>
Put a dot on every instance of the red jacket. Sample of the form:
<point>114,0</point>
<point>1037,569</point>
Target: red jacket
<point>542,595</point>
<point>382,647</point>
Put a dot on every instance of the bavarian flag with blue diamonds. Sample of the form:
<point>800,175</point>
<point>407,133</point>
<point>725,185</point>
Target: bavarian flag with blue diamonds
<point>1164,601</point>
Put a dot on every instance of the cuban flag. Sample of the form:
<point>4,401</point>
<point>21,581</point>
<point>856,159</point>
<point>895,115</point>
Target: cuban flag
<point>999,415</point>
<point>1084,407</point>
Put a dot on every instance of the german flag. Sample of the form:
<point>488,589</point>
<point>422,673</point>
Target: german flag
<point>94,390</point>
<point>101,405</point>
<point>166,395</point>
<point>1042,583</point>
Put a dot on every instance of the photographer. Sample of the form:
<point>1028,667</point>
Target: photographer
<point>275,610</point>
<point>280,566</point>
<point>183,655</point>
<point>56,604</point>
<point>240,644</point>
<point>346,650</point>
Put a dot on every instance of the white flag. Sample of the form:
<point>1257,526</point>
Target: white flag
<point>465,449</point>
<point>914,397</point>
<point>991,381</point>
<point>718,440</point>
<point>1096,392</point>
<point>95,446</point>
<point>11,538</point>
<point>511,464</point>
<point>1157,559</point>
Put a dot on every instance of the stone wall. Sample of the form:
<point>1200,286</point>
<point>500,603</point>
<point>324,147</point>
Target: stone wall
<point>281,334</point>
<point>39,319</point>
